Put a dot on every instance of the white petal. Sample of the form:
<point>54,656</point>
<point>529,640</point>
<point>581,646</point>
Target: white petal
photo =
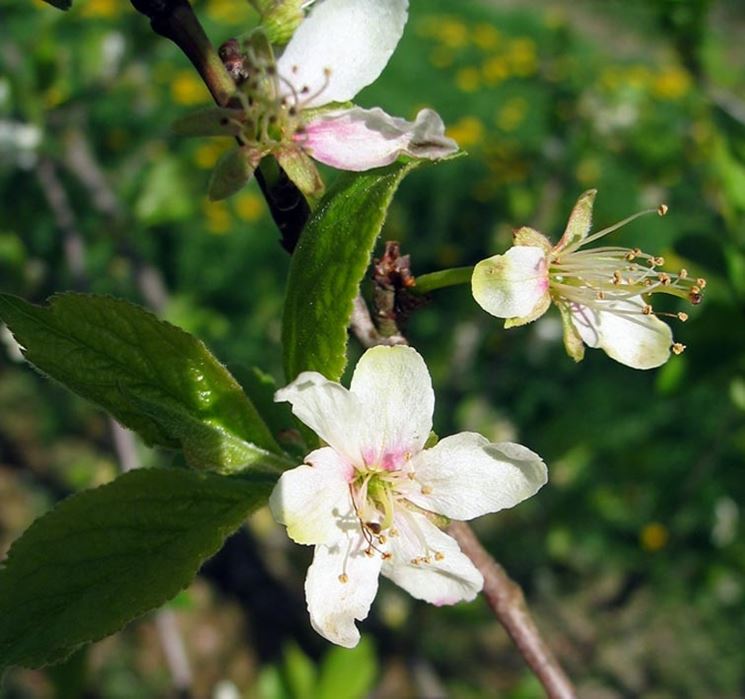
<point>340,587</point>
<point>513,284</point>
<point>329,409</point>
<point>313,501</point>
<point>361,139</point>
<point>448,576</point>
<point>353,39</point>
<point>394,389</point>
<point>625,334</point>
<point>465,476</point>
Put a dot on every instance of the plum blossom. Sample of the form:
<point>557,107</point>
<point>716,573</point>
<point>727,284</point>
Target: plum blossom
<point>297,106</point>
<point>601,292</point>
<point>374,499</point>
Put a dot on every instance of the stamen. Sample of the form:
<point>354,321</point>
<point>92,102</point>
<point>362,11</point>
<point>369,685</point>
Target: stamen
<point>662,209</point>
<point>343,578</point>
<point>678,348</point>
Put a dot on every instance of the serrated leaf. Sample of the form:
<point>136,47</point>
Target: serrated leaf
<point>106,556</point>
<point>329,264</point>
<point>153,377</point>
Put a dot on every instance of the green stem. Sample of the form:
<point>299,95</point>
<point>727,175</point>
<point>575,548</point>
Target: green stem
<point>437,280</point>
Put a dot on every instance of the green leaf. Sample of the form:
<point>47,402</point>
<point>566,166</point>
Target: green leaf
<point>153,377</point>
<point>106,556</point>
<point>348,672</point>
<point>328,266</point>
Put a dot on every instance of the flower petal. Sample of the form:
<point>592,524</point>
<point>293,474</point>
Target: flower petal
<point>624,332</point>
<point>329,409</point>
<point>511,285</point>
<point>393,386</point>
<point>340,586</point>
<point>361,139</point>
<point>446,576</point>
<point>465,476</point>
<point>313,501</point>
<point>341,47</point>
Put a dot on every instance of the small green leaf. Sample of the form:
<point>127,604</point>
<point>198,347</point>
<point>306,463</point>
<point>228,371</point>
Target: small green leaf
<point>328,266</point>
<point>153,377</point>
<point>106,556</point>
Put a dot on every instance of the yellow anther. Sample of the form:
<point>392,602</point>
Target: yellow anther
<point>382,539</point>
<point>664,278</point>
<point>659,261</point>
<point>426,489</point>
<point>682,316</point>
<point>343,578</point>
<point>662,209</point>
<point>701,282</point>
<point>439,556</point>
<point>647,309</point>
<point>683,273</point>
<point>678,348</point>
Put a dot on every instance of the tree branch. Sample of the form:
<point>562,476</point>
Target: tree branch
<point>507,601</point>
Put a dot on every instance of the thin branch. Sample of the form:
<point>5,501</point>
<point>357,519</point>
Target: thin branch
<point>364,329</point>
<point>507,601</point>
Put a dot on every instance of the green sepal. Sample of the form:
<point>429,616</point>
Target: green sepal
<point>233,171</point>
<point>580,221</point>
<point>212,121</point>
<point>573,343</point>
<point>303,172</point>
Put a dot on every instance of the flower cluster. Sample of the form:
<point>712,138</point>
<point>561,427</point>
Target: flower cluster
<point>374,500</point>
<point>602,292</point>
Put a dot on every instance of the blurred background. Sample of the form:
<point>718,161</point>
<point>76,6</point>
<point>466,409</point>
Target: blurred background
<point>632,557</point>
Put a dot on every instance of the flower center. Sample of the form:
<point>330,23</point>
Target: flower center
<point>271,103</point>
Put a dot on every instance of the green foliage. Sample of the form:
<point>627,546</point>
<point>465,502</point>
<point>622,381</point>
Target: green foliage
<point>328,266</point>
<point>343,672</point>
<point>153,377</point>
<point>96,561</point>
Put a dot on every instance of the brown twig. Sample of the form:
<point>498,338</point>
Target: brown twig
<point>507,601</point>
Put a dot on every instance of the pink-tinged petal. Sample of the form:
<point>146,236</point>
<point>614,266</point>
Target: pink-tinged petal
<point>340,586</point>
<point>341,47</point>
<point>465,476</point>
<point>394,389</point>
<point>361,139</point>
<point>624,332</point>
<point>429,564</point>
<point>512,285</point>
<point>313,500</point>
<point>329,409</point>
